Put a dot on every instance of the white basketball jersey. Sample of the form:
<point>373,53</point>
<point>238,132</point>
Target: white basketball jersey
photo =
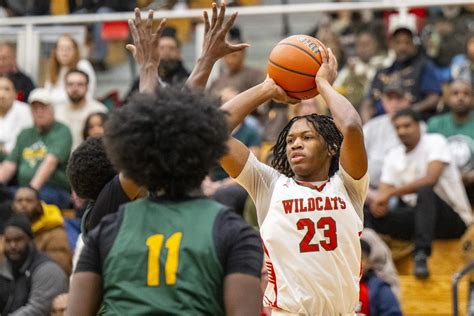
<point>312,248</point>
<point>311,240</point>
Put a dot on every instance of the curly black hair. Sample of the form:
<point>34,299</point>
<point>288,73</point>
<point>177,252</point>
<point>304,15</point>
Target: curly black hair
<point>89,169</point>
<point>324,126</point>
<point>167,142</point>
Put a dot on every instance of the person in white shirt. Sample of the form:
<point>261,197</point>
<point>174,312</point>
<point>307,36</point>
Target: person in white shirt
<point>75,113</point>
<point>310,204</point>
<point>66,55</point>
<point>432,201</point>
<point>14,116</point>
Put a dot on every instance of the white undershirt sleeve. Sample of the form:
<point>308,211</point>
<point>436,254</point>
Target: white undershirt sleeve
<point>357,190</point>
<point>259,181</point>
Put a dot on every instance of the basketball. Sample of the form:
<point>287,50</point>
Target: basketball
<point>293,64</point>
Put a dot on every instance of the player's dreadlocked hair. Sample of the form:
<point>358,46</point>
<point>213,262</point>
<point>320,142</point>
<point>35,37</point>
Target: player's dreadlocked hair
<point>324,126</point>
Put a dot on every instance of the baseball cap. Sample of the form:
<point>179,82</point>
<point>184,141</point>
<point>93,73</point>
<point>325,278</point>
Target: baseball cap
<point>40,95</point>
<point>398,22</point>
<point>394,86</point>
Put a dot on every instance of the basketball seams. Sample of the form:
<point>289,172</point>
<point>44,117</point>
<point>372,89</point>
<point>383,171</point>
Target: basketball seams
<point>290,70</point>
<point>304,51</point>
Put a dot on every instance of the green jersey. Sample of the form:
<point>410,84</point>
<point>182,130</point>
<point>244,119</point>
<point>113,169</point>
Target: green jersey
<point>163,261</point>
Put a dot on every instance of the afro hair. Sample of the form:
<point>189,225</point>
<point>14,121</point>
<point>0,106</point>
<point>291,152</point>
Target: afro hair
<point>167,142</point>
<point>89,169</point>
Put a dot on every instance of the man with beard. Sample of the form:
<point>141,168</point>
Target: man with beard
<point>413,69</point>
<point>74,114</point>
<point>47,225</point>
<point>29,280</point>
<point>458,127</point>
<point>420,178</point>
<point>171,69</point>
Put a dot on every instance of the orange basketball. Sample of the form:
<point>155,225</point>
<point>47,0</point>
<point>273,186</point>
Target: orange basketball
<point>293,64</point>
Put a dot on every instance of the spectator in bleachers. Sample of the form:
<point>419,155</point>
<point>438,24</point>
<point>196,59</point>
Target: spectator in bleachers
<point>235,73</point>
<point>94,125</point>
<point>376,296</point>
<point>6,199</point>
<point>99,47</point>
<point>458,127</point>
<point>29,280</point>
<point>380,135</point>
<point>412,68</point>
<point>41,153</point>
<point>421,195</point>
<point>8,66</point>
<point>14,117</point>
<point>354,79</point>
<point>47,224</point>
<point>75,113</point>
<point>465,69</point>
<point>171,69</point>
<point>65,56</point>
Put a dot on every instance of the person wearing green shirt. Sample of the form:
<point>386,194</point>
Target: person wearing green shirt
<point>458,127</point>
<point>40,156</point>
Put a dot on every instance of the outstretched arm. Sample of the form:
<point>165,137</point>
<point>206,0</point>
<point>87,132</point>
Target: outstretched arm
<point>353,157</point>
<point>215,45</point>
<point>145,49</point>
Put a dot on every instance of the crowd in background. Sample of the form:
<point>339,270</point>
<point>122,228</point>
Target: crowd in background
<point>411,77</point>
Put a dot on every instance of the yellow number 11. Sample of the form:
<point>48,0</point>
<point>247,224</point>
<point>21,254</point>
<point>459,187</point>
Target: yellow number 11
<point>154,244</point>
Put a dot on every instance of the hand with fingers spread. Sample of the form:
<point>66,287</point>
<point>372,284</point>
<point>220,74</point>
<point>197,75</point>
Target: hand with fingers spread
<point>328,70</point>
<point>145,40</point>
<point>215,31</point>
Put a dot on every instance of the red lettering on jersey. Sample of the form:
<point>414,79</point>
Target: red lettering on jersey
<point>302,207</point>
<point>311,205</point>
<point>319,202</point>
<point>342,203</point>
<point>288,206</point>
<point>334,199</point>
<point>297,208</point>
<point>327,204</point>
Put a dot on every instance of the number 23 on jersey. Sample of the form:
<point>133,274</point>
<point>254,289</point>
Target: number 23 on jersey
<point>327,225</point>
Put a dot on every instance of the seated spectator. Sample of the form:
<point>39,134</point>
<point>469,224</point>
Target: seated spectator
<point>14,117</point>
<point>47,224</point>
<point>458,127</point>
<point>94,125</point>
<point>235,73</point>
<point>23,84</point>
<point>422,177</point>
<point>381,260</point>
<point>413,69</point>
<point>29,280</point>
<point>41,153</point>
<point>380,135</point>
<point>354,79</point>
<point>99,45</point>
<point>65,56</point>
<point>464,70</point>
<point>376,297</point>
<point>75,113</point>
<point>171,69</point>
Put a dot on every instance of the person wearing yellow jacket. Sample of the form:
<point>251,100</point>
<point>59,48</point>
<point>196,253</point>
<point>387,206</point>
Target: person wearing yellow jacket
<point>47,224</point>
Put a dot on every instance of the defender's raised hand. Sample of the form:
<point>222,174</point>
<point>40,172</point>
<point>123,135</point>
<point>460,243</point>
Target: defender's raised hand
<point>215,44</point>
<point>145,40</point>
